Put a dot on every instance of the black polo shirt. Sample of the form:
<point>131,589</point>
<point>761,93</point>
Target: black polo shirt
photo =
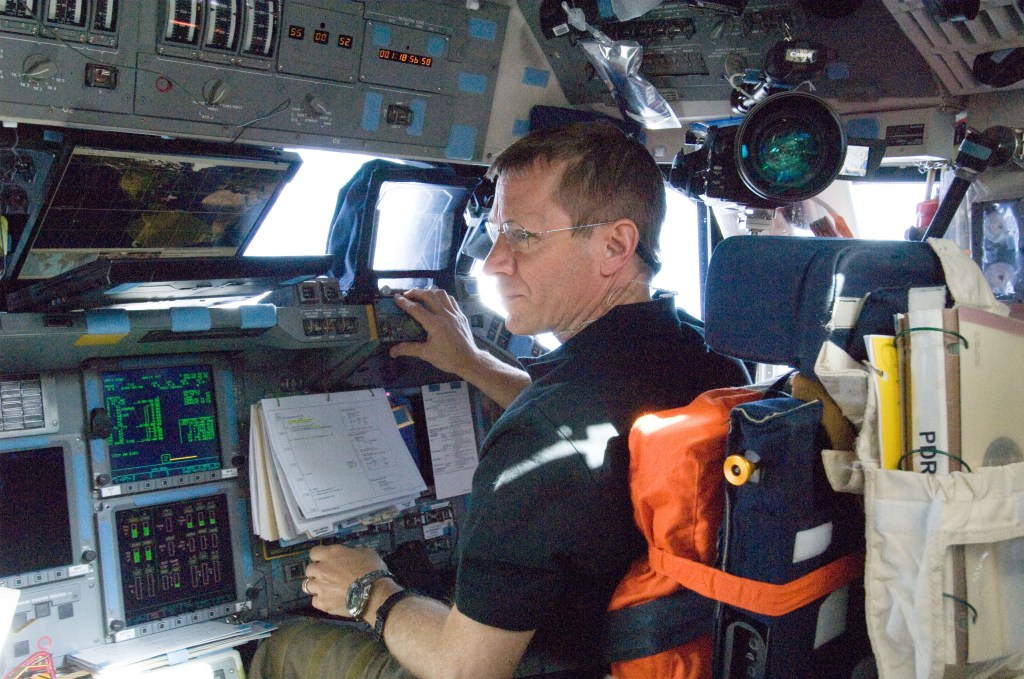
<point>550,530</point>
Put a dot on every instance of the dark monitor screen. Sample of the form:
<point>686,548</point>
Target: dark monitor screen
<point>175,558</point>
<point>35,528</point>
<point>163,422</point>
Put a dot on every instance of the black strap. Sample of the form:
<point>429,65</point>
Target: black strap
<point>656,626</point>
<point>381,616</point>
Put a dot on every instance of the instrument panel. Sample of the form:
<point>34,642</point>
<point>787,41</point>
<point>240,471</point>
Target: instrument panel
<point>414,78</point>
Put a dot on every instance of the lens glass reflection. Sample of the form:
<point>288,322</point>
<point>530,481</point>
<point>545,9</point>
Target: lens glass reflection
<point>785,155</point>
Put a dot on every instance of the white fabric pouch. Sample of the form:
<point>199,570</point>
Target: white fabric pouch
<point>946,553</point>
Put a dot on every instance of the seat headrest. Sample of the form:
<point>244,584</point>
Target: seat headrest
<point>776,299</point>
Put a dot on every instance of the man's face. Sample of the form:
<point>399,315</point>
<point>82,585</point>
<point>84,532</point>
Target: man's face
<point>555,284</point>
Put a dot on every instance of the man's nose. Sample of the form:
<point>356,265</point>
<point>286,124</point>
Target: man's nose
<point>500,259</point>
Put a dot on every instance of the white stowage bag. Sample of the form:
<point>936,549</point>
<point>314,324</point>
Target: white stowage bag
<point>945,551</point>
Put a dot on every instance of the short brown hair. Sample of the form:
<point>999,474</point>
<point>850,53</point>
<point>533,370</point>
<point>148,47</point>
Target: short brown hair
<point>607,175</point>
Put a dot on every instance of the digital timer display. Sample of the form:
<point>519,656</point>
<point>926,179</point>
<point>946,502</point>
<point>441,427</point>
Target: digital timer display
<point>405,57</point>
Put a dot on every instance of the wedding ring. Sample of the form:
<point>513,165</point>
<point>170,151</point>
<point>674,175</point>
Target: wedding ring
<point>304,587</point>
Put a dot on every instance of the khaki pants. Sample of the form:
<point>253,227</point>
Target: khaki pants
<point>322,649</point>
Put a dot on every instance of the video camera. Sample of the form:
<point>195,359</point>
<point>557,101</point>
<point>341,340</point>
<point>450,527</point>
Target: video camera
<point>788,148</point>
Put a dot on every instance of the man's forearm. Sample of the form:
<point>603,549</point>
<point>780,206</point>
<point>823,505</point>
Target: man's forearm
<point>500,381</point>
<point>431,640</point>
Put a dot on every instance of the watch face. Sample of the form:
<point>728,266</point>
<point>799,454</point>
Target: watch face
<point>356,601</point>
<point>359,592</point>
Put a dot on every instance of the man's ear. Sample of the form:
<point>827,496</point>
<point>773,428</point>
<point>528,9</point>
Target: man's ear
<point>620,243</point>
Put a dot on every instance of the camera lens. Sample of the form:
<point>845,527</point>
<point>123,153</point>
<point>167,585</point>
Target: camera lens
<point>790,147</point>
<point>785,156</point>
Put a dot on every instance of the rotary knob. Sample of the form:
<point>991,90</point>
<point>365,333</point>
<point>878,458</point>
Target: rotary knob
<point>215,91</point>
<point>315,106</point>
<point>37,68</point>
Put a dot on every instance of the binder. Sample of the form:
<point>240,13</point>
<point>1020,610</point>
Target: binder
<point>929,427</point>
<point>885,380</point>
<point>929,359</point>
<point>324,461</point>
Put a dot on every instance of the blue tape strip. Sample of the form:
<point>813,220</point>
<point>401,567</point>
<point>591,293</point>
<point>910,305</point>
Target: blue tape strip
<point>520,127</point>
<point>604,9</point>
<point>481,29</point>
<point>536,77</point>
<point>473,83</point>
<point>175,495</point>
<point>81,472</point>
<point>436,45</point>
<point>107,322</point>
<point>461,142</point>
<point>258,315</point>
<point>190,319</point>
<point>242,509</point>
<point>381,35</point>
<point>97,451</point>
<point>419,115</point>
<point>111,589</point>
<point>229,404</point>
<point>866,128</point>
<point>372,103</point>
<point>22,443</point>
<point>94,399</point>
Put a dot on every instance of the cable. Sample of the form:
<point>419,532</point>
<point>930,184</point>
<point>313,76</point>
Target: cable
<point>921,451</point>
<point>49,32</point>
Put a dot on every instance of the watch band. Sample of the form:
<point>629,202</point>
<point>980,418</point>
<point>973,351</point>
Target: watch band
<point>359,592</point>
<point>385,608</point>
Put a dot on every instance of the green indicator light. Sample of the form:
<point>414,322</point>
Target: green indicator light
<point>136,557</point>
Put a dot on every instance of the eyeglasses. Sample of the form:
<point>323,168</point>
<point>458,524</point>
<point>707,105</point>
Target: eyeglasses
<point>519,239</point>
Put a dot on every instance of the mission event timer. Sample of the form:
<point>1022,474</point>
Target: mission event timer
<point>405,57</point>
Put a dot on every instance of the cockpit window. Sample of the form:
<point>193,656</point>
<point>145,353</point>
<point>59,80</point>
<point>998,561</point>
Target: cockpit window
<point>415,225</point>
<point>300,220</point>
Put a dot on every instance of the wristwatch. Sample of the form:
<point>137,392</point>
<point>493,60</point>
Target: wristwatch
<point>359,592</point>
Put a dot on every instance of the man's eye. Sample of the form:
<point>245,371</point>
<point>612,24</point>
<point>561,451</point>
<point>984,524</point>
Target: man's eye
<point>521,235</point>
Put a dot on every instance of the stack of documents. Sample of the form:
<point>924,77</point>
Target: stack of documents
<point>322,460</point>
<point>168,648</point>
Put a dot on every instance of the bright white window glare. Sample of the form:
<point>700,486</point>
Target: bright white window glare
<point>678,250</point>
<point>885,210</point>
<point>414,225</point>
<point>300,221</point>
